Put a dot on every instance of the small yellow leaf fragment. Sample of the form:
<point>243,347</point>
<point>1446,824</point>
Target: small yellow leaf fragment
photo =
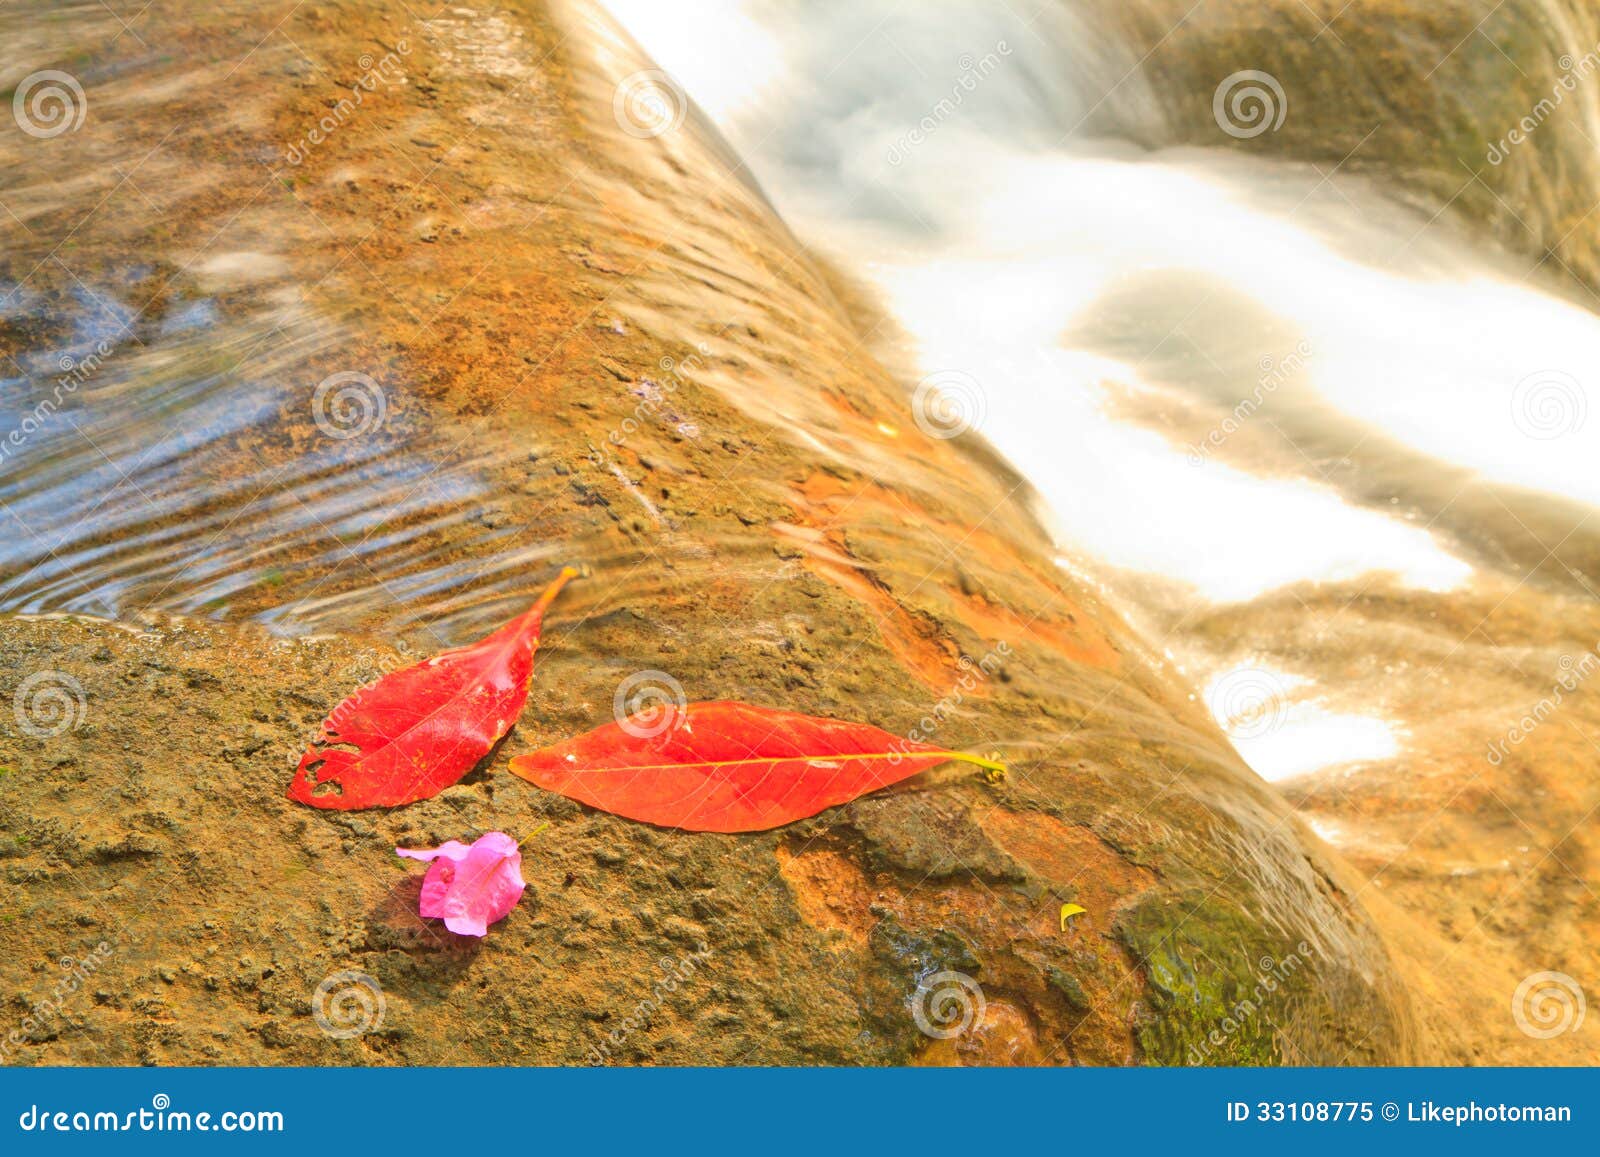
<point>994,771</point>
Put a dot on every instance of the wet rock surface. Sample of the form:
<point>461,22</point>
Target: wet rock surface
<point>603,348</point>
<point>921,925</point>
<point>1480,110</point>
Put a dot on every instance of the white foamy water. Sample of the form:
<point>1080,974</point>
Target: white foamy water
<point>1099,312</point>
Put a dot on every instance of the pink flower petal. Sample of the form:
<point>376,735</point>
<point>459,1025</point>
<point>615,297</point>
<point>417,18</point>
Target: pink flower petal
<point>450,849</point>
<point>435,887</point>
<point>470,888</point>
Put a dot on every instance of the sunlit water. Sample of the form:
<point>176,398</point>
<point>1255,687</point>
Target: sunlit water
<point>1231,380</point>
<point>1225,375</point>
<point>185,429</point>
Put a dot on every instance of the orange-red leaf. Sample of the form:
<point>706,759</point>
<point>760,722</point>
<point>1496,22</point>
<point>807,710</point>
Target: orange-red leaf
<point>417,730</point>
<point>728,767</point>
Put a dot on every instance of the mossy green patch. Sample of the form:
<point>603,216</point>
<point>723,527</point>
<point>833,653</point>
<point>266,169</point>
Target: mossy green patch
<point>1219,987</point>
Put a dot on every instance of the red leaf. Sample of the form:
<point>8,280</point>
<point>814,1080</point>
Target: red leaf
<point>418,730</point>
<point>728,767</point>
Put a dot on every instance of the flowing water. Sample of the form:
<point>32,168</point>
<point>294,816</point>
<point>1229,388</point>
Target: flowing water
<point>1250,395</point>
<point>1235,381</point>
<point>1329,448</point>
<point>1328,452</point>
